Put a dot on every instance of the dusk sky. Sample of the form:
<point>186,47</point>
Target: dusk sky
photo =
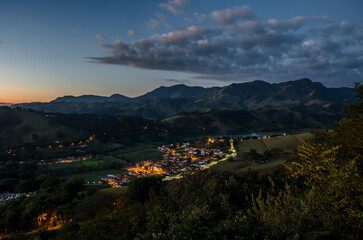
<point>55,48</point>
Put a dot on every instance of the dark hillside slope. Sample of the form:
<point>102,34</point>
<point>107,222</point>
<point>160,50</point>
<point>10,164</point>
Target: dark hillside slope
<point>260,94</point>
<point>20,127</point>
<point>218,122</point>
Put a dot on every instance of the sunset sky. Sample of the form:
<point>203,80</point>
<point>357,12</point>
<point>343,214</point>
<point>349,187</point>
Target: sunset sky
<point>55,48</point>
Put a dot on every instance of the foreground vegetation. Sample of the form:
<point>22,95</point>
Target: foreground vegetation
<point>316,194</point>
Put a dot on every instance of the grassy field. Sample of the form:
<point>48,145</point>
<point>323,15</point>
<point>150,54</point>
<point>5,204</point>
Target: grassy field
<point>266,167</point>
<point>64,165</point>
<point>247,145</point>
<point>98,162</point>
<point>137,147</point>
<point>93,176</point>
<point>228,166</point>
<point>142,155</point>
<point>244,166</point>
<point>139,152</point>
<point>287,144</point>
<point>90,170</point>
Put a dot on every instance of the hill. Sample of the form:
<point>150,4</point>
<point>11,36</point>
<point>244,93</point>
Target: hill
<point>20,127</point>
<point>165,102</point>
<point>218,122</point>
<point>260,94</point>
<point>278,149</point>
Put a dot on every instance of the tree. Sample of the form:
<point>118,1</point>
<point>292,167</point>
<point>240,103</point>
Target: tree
<point>71,188</point>
<point>253,154</point>
<point>143,189</point>
<point>267,155</point>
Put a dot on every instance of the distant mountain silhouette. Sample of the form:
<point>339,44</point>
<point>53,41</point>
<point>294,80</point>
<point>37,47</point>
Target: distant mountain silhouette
<point>176,91</point>
<point>93,98</point>
<point>164,102</point>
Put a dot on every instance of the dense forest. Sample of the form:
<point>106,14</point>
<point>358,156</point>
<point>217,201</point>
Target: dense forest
<point>316,194</point>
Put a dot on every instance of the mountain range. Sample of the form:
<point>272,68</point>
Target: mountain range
<point>165,102</point>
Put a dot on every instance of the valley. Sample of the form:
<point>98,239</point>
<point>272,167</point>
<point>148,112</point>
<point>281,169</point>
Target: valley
<point>80,169</point>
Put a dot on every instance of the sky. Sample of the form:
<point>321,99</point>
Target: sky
<point>56,48</point>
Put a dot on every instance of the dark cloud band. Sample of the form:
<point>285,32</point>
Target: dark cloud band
<point>240,46</point>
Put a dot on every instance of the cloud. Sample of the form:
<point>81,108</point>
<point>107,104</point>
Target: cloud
<point>230,15</point>
<point>100,36</point>
<point>294,23</point>
<point>1,42</point>
<point>181,36</point>
<point>174,6</point>
<point>200,17</point>
<point>153,24</point>
<point>308,43</point>
<point>163,19</point>
<point>132,33</point>
<point>249,49</point>
<point>196,18</point>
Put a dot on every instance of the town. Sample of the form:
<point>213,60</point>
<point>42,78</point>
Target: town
<point>177,159</point>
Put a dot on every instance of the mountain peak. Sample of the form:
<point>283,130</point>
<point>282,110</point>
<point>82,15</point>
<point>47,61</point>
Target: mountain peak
<point>175,91</point>
<point>306,80</point>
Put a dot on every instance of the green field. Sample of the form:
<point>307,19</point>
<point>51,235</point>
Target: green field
<point>142,155</point>
<point>135,148</point>
<point>90,170</point>
<point>286,144</point>
<point>267,167</point>
<point>228,166</point>
<point>247,145</point>
<point>139,152</point>
<point>64,165</point>
<point>93,176</point>
<point>99,162</point>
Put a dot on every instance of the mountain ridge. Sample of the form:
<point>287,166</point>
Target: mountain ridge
<point>164,101</point>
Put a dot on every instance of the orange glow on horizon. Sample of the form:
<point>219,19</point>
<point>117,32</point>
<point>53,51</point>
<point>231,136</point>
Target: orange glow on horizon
<point>13,97</point>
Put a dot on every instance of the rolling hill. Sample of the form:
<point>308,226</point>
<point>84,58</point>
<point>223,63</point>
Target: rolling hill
<point>20,127</point>
<point>219,122</point>
<point>281,147</point>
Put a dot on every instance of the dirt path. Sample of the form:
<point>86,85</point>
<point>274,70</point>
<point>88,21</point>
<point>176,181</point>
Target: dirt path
<point>268,148</point>
<point>302,141</point>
